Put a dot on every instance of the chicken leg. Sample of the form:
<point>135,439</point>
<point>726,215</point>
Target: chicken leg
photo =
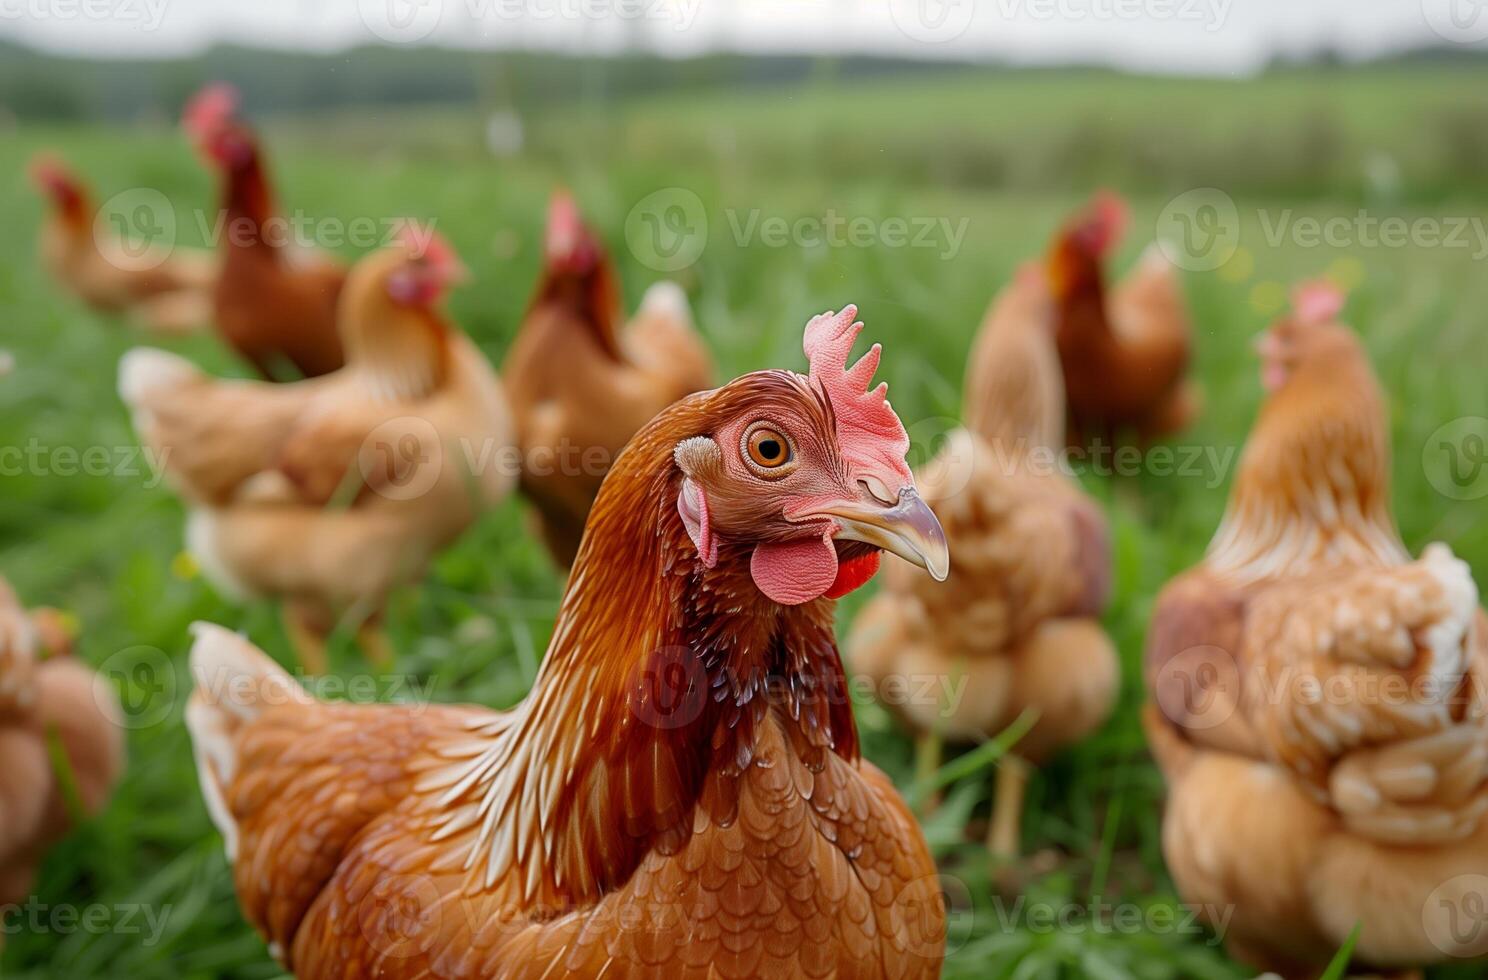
<point>308,641</point>
<point>928,752</point>
<point>375,645</point>
<point>1005,835</point>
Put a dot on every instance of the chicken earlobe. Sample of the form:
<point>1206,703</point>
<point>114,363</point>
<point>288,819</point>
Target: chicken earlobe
<point>698,458</point>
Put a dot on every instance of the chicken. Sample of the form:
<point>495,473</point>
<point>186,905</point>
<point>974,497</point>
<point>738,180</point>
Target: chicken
<point>1016,627</point>
<point>276,300</point>
<point>163,289</point>
<point>580,386</point>
<point>330,492</point>
<point>45,694</point>
<point>1317,696</point>
<point>1125,351</point>
<point>680,795</point>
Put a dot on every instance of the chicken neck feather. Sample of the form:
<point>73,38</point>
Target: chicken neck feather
<point>246,197</point>
<point>1313,490</point>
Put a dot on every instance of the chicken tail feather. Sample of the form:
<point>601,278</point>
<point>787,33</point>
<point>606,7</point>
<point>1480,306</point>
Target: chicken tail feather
<point>146,370</point>
<point>235,682</point>
<point>666,298</point>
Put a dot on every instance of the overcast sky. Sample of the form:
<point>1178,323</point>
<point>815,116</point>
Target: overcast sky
<point>1209,36</point>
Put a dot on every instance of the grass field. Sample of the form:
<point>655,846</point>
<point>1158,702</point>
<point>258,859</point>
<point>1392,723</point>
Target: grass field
<point>104,545</point>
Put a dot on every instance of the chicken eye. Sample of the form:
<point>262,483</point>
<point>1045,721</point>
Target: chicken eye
<point>767,449</point>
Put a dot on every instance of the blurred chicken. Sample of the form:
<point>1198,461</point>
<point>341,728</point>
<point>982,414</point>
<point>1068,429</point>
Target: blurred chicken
<point>330,492</point>
<point>680,796</point>
<point>276,300</point>
<point>160,288</point>
<point>1317,696</point>
<point>45,695</point>
<point>1124,350</point>
<point>580,386</point>
<point>1015,628</point>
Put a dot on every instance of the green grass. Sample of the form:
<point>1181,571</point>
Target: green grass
<point>102,546</point>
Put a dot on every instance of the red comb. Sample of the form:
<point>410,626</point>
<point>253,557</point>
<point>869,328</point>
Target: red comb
<point>49,171</point>
<point>570,246</point>
<point>440,252</point>
<point>434,249</point>
<point>1317,301</point>
<point>566,229</point>
<point>1109,218</point>
<point>424,243</point>
<point>869,431</point>
<point>210,108</point>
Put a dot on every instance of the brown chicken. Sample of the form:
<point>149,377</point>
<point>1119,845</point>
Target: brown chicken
<point>1124,350</point>
<point>275,301</point>
<point>330,492</point>
<point>1317,696</point>
<point>163,289</point>
<point>580,386</point>
<point>1016,626</point>
<point>681,795</point>
<point>45,694</point>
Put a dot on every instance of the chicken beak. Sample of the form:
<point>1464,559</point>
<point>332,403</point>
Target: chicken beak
<point>908,529</point>
<point>458,273</point>
<point>1267,347</point>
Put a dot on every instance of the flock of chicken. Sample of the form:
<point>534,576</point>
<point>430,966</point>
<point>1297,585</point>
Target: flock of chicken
<point>682,792</point>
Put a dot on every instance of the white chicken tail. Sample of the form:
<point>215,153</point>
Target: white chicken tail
<point>144,370</point>
<point>666,298</point>
<point>235,683</point>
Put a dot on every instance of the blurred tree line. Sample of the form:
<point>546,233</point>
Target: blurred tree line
<point>40,86</point>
